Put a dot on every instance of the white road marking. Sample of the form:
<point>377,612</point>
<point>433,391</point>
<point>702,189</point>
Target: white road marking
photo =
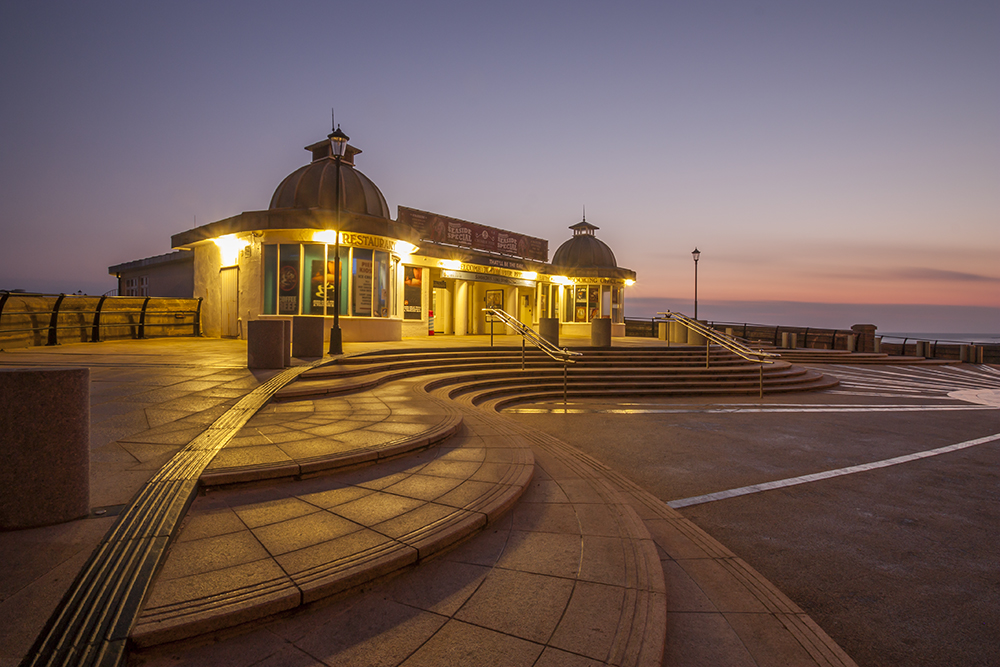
<point>805,479</point>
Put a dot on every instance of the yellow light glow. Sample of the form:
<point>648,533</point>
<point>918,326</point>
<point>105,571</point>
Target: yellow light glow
<point>326,236</point>
<point>529,275</point>
<point>229,248</point>
<point>629,282</point>
<point>562,280</point>
<point>452,264</point>
<point>404,248</point>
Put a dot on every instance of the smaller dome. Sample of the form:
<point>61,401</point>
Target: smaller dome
<point>584,250</point>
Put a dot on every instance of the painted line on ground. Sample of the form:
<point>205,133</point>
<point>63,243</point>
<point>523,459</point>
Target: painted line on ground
<point>805,479</point>
<point>743,410</point>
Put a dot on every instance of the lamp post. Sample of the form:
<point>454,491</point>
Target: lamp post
<point>696,254</point>
<point>338,142</point>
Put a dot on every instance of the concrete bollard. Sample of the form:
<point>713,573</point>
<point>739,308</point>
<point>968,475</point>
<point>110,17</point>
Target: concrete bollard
<point>695,338</point>
<point>878,345</point>
<point>678,333</point>
<point>661,331</point>
<point>600,332</point>
<point>784,339</point>
<point>795,339</point>
<point>45,422</point>
<point>307,336</point>
<point>851,342</point>
<point>266,344</point>
<point>548,329</point>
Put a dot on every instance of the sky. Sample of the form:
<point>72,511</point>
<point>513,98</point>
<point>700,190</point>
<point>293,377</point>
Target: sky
<point>835,163</point>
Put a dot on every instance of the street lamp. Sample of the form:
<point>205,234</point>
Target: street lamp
<point>696,254</point>
<point>338,142</point>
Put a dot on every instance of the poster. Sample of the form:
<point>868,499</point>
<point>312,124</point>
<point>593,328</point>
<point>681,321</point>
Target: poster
<point>412,292</point>
<point>363,286</point>
<point>288,289</point>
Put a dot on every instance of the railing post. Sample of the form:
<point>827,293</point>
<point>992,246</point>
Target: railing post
<point>762,378</point>
<point>565,367</point>
<point>197,319</point>
<point>522,352</point>
<point>54,320</point>
<point>95,334</point>
<point>708,351</point>
<point>3,302</point>
<point>142,319</point>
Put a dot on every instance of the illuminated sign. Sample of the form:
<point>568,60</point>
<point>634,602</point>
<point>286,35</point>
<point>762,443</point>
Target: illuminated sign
<point>441,229</point>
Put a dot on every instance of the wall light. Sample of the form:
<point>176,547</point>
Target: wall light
<point>629,282</point>
<point>229,248</point>
<point>529,275</point>
<point>562,280</point>
<point>404,248</point>
<point>452,264</point>
<point>325,236</point>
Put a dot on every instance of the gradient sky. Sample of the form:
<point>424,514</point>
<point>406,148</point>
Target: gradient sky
<point>816,153</point>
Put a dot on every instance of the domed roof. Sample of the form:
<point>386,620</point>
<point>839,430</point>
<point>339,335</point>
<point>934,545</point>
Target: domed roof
<point>315,186</point>
<point>584,250</point>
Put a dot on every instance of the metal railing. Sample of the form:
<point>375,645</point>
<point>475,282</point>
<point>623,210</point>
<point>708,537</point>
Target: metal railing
<point>724,340</point>
<point>529,335</point>
<point>30,319</point>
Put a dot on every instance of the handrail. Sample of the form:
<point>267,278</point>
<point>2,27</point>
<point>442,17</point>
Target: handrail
<point>719,338</point>
<point>528,334</point>
<point>729,342</point>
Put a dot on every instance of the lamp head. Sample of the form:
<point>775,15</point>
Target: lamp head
<point>338,142</point>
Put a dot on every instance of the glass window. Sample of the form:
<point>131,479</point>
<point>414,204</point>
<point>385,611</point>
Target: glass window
<point>381,276</point>
<point>362,292</point>
<point>289,274</point>
<point>314,289</point>
<point>270,279</point>
<point>580,314</point>
<point>617,312</point>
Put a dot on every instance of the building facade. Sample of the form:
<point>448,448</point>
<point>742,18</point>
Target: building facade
<point>420,274</point>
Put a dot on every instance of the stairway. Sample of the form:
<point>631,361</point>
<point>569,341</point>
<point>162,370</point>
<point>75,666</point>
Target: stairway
<point>372,480</point>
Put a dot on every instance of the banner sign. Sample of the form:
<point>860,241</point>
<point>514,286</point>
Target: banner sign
<point>436,228</point>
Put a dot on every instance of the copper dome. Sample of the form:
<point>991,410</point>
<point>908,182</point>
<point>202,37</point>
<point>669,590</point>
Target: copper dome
<point>584,250</point>
<point>314,186</point>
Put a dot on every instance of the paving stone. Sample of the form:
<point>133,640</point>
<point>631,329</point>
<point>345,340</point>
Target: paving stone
<point>522,604</point>
<point>303,531</point>
<point>582,631</point>
<point>459,643</point>
<point>274,511</point>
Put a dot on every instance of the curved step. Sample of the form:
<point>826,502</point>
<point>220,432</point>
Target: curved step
<point>312,436</point>
<point>244,554</point>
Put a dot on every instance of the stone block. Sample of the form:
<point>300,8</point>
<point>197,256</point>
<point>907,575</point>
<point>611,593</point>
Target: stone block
<point>45,427</point>
<point>548,329</point>
<point>266,344</point>
<point>286,347</point>
<point>307,337</point>
<point>600,332</point>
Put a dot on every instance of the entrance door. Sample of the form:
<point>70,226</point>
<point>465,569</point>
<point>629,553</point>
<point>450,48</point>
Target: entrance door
<point>229,279</point>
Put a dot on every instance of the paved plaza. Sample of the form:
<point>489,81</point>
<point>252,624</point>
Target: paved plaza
<point>894,561</point>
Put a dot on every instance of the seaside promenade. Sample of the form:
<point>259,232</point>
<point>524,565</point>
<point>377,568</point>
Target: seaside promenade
<point>585,551</point>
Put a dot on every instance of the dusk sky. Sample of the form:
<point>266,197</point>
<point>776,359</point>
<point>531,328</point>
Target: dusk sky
<point>816,153</point>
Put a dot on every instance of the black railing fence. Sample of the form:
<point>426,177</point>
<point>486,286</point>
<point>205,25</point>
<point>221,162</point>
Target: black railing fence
<point>28,319</point>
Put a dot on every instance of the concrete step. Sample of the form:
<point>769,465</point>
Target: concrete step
<point>245,553</point>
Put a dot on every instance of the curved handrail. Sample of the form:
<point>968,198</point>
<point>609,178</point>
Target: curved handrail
<point>719,338</point>
<point>531,336</point>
